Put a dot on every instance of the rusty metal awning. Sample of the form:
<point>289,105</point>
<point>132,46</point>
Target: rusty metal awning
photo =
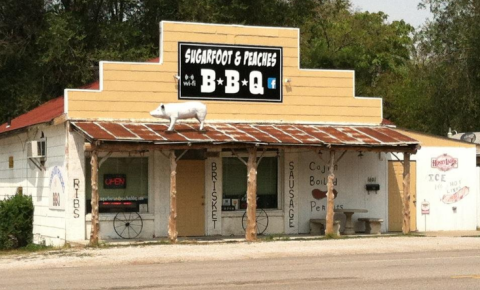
<point>246,133</point>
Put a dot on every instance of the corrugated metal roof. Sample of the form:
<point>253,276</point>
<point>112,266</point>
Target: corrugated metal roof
<point>270,134</point>
<point>41,114</point>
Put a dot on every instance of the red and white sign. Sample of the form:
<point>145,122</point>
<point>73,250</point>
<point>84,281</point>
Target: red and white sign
<point>425,207</point>
<point>444,162</point>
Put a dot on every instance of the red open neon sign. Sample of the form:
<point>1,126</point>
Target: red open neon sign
<point>114,181</point>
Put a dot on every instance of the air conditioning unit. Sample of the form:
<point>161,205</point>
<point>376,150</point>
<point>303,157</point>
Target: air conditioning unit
<point>37,149</point>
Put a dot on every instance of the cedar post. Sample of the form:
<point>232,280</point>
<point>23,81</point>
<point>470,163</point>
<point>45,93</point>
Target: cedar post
<point>330,196</point>
<point>251,231</point>
<point>406,193</point>
<point>94,201</point>
<point>172,221</point>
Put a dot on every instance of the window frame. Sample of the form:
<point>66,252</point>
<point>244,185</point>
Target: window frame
<point>279,155</point>
<point>150,194</point>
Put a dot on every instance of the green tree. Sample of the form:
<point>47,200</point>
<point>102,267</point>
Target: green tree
<point>364,42</point>
<point>449,50</point>
<point>20,24</point>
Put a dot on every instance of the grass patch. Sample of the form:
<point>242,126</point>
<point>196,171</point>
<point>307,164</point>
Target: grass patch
<point>30,248</point>
<point>103,244</point>
<point>332,236</point>
<point>274,238</point>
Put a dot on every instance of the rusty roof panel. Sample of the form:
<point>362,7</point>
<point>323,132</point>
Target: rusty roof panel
<point>173,136</point>
<point>117,130</point>
<point>300,134</point>
<point>277,133</point>
<point>192,134</point>
<point>215,135</point>
<point>257,133</point>
<point>233,134</point>
<point>239,134</point>
<point>399,136</point>
<point>144,132</point>
<point>273,134</point>
<point>359,135</point>
<point>94,131</point>
<point>320,135</point>
<point>384,138</point>
<point>341,136</point>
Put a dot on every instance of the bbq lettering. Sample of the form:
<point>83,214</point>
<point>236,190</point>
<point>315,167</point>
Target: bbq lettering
<point>230,72</point>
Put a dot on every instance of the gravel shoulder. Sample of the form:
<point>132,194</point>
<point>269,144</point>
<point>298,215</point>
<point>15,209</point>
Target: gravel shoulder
<point>166,253</point>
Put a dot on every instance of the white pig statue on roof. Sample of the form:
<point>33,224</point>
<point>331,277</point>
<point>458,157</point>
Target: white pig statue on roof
<point>177,111</point>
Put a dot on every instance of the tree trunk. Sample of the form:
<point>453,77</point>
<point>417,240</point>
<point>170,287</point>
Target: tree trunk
<point>94,201</point>
<point>172,221</point>
<point>406,193</point>
<point>330,196</point>
<point>251,231</point>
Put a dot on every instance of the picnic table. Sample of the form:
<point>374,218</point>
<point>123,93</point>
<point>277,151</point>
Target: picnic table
<point>348,218</point>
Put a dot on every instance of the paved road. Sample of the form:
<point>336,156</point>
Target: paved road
<point>426,270</point>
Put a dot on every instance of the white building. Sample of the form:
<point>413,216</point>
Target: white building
<point>261,103</point>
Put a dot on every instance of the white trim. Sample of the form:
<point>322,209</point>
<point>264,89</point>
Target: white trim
<point>160,45</point>
<point>213,122</point>
<point>230,25</point>
<point>65,102</point>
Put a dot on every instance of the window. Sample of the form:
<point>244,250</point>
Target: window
<point>235,183</point>
<point>122,184</point>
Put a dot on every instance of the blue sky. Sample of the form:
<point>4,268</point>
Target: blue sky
<point>396,10</point>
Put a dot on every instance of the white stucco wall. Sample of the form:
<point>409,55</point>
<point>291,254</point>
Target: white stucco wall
<point>351,175</point>
<point>478,198</point>
<point>75,210</point>
<point>298,168</point>
<point>436,186</point>
<point>49,224</point>
<point>161,191</point>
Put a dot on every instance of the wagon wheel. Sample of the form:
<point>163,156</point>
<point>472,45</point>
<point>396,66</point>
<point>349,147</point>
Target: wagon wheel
<point>128,225</point>
<point>262,221</point>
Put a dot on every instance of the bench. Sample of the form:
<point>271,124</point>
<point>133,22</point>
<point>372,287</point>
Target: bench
<point>317,227</point>
<point>372,225</point>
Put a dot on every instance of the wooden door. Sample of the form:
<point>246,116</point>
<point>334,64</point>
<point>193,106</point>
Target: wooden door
<point>191,198</point>
<point>395,187</point>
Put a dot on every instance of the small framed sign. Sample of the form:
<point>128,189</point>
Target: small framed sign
<point>229,72</point>
<point>114,181</point>
<point>226,202</point>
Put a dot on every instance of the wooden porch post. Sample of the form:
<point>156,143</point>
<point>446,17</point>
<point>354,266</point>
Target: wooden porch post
<point>330,196</point>
<point>406,193</point>
<point>251,231</point>
<point>94,201</point>
<point>172,221</point>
